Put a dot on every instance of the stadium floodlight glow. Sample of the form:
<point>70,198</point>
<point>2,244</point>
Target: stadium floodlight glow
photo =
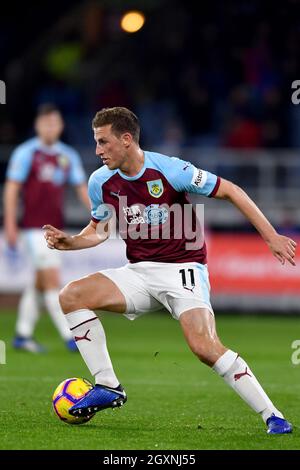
<point>132,21</point>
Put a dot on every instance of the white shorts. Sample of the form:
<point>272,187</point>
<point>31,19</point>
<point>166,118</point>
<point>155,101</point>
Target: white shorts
<point>40,255</point>
<point>148,286</point>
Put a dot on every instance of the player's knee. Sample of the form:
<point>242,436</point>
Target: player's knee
<point>70,297</point>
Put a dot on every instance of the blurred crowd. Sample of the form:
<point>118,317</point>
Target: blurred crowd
<point>213,74</point>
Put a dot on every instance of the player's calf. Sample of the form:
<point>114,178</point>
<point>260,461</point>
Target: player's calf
<point>208,350</point>
<point>198,326</point>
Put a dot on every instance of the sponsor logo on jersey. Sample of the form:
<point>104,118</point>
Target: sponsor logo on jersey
<point>155,188</point>
<point>133,215</point>
<point>155,214</point>
<point>199,178</point>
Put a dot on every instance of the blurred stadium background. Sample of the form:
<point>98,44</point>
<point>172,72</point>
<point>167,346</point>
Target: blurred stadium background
<point>211,84</point>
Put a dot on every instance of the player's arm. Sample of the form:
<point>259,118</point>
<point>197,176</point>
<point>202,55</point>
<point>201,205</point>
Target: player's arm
<point>17,171</point>
<point>82,194</point>
<point>92,235</point>
<point>184,176</point>
<point>77,177</point>
<point>283,248</point>
<point>96,232</point>
<point>10,199</point>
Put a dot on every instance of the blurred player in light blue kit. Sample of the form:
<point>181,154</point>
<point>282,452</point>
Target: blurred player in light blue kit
<point>40,168</point>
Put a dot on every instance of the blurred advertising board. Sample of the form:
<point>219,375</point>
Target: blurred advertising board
<point>245,274</point>
<point>16,270</point>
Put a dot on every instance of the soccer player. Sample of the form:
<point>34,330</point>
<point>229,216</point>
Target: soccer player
<point>162,271</point>
<point>40,168</point>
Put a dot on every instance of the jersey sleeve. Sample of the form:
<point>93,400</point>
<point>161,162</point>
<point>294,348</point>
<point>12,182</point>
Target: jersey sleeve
<point>19,164</point>
<point>77,174</point>
<point>185,177</point>
<point>100,211</point>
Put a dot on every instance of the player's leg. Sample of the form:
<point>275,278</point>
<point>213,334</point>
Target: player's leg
<point>28,308</point>
<point>79,299</point>
<point>50,281</point>
<point>93,292</point>
<point>199,329</point>
<point>28,314</point>
<point>47,264</point>
<point>185,291</point>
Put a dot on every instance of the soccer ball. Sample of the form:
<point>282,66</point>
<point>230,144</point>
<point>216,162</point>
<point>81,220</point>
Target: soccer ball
<point>69,392</point>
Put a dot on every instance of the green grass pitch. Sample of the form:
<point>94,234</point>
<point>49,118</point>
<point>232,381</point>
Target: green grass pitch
<point>174,401</point>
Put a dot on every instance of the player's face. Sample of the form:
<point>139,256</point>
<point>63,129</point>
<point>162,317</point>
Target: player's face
<point>109,147</point>
<point>49,127</point>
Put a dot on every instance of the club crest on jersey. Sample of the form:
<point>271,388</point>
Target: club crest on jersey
<point>155,188</point>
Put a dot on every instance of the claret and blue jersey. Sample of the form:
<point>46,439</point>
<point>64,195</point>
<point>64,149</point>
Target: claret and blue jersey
<point>162,184</point>
<point>43,172</point>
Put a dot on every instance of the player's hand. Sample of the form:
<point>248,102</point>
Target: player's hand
<point>283,248</point>
<point>56,239</point>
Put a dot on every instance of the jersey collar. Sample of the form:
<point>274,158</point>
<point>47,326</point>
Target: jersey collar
<point>138,175</point>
